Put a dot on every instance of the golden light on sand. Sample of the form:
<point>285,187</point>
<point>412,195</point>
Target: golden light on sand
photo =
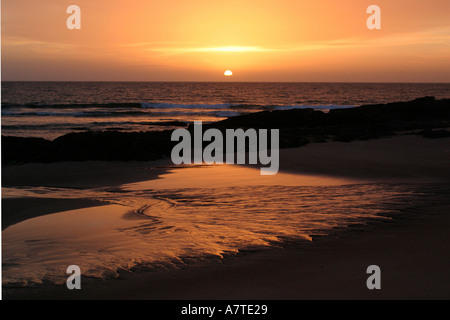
<point>228,73</point>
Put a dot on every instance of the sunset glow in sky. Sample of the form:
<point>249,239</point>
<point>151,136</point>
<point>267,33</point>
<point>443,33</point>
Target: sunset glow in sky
<point>197,40</point>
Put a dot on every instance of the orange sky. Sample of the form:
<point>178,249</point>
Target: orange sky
<point>197,40</point>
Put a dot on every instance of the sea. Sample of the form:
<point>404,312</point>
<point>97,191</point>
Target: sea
<point>51,109</point>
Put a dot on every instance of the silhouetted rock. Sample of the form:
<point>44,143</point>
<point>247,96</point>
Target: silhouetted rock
<point>18,149</point>
<point>434,134</point>
<point>297,128</point>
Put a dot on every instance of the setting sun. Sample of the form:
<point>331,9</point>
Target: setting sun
<point>228,73</point>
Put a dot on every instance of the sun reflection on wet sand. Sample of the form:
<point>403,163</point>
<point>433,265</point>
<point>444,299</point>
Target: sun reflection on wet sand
<point>187,215</point>
<point>226,175</point>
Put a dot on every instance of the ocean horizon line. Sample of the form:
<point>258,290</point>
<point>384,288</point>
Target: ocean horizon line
<point>206,81</point>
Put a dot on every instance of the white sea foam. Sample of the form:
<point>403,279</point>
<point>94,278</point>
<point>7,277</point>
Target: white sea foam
<point>318,107</point>
<point>186,106</point>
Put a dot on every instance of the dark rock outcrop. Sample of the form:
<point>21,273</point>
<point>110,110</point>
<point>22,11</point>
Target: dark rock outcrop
<point>297,128</point>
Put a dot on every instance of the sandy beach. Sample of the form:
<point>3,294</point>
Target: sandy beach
<point>411,249</point>
<point>403,158</point>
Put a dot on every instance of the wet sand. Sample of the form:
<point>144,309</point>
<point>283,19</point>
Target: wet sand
<point>89,174</point>
<point>411,251</point>
<point>86,174</point>
<point>412,254</point>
